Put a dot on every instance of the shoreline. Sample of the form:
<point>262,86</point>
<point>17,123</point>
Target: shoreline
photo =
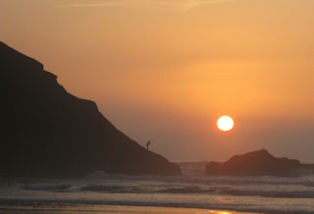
<point>106,209</point>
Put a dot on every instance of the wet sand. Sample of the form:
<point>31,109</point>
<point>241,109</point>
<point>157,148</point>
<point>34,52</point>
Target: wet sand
<point>105,209</point>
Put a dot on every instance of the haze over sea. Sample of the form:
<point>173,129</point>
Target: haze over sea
<point>191,190</point>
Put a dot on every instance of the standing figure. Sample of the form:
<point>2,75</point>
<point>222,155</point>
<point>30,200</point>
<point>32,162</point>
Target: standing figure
<point>148,144</point>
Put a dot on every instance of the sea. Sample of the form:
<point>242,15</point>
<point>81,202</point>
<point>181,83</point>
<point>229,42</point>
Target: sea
<point>193,189</point>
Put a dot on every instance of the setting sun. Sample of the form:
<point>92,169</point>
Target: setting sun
<point>225,123</point>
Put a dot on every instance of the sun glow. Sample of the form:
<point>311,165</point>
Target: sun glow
<point>225,123</point>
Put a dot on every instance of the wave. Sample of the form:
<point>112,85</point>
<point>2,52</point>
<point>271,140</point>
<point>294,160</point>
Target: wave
<point>240,192</point>
<point>233,186</point>
<point>50,188</point>
<point>184,190</point>
<point>111,189</point>
<point>219,190</point>
<point>272,194</point>
<point>67,203</point>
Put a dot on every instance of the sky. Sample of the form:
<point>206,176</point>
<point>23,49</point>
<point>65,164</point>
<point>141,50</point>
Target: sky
<point>165,70</point>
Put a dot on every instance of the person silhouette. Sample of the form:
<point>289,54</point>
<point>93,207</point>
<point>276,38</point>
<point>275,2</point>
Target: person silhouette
<point>148,144</point>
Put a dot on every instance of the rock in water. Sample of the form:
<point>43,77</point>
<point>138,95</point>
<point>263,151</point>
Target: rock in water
<point>257,163</point>
<point>49,132</point>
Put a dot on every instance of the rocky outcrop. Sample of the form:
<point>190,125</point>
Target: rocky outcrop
<point>49,132</point>
<point>257,163</point>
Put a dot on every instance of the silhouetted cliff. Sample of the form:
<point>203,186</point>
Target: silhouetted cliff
<point>49,132</point>
<point>257,163</point>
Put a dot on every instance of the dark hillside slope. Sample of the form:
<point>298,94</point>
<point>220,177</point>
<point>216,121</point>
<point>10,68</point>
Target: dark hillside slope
<point>49,132</point>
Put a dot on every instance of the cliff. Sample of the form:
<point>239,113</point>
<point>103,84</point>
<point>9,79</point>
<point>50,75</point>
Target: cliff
<point>49,132</point>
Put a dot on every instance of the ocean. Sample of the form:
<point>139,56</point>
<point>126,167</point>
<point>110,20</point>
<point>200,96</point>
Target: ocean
<point>191,190</point>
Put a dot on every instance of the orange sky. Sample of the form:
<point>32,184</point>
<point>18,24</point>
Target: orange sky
<point>170,68</point>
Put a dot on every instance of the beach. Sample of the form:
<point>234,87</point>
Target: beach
<point>108,209</point>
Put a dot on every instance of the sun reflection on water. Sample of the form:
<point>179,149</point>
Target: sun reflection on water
<point>219,212</point>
